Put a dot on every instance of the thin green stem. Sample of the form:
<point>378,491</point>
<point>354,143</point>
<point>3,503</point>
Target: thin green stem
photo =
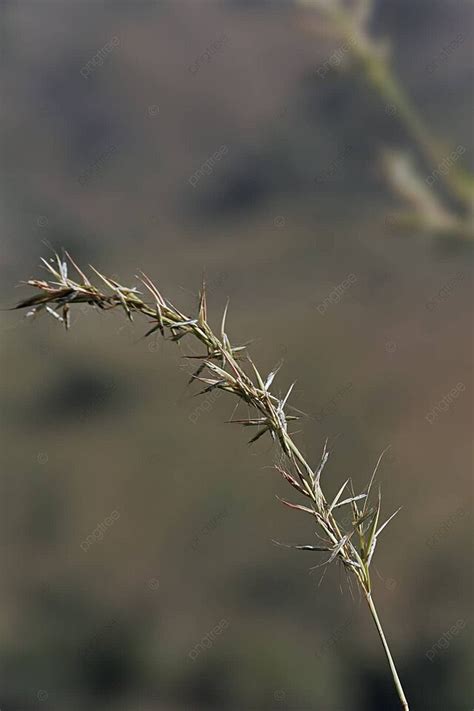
<point>393,669</point>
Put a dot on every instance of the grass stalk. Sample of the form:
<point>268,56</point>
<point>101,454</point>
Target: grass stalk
<point>393,669</point>
<point>230,368</point>
<point>372,61</point>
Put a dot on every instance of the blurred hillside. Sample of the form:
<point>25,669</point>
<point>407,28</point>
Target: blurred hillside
<point>106,148</point>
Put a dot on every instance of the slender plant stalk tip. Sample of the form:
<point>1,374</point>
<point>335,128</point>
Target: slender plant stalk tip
<point>229,368</point>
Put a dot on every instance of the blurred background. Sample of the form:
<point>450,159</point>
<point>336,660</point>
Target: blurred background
<point>313,166</point>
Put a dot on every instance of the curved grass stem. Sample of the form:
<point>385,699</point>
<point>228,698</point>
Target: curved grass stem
<point>223,367</point>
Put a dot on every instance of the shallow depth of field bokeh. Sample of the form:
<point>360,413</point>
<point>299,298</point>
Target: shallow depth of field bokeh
<point>295,221</point>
